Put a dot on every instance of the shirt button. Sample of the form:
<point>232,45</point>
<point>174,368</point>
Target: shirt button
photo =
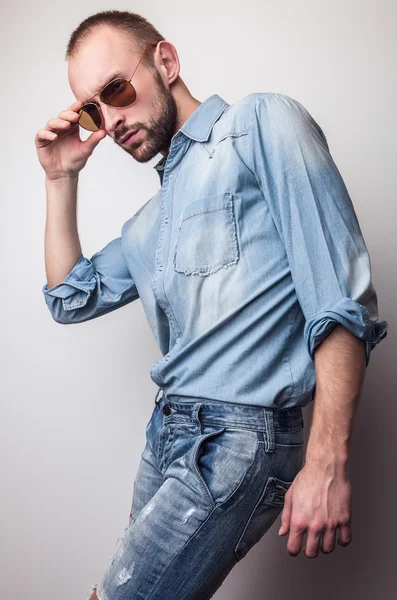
<point>160,267</point>
<point>79,302</point>
<point>166,409</point>
<point>171,175</point>
<point>166,220</point>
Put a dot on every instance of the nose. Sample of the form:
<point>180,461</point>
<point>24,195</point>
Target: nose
<point>113,118</point>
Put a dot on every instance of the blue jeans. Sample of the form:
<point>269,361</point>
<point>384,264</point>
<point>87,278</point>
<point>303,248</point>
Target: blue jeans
<point>211,481</point>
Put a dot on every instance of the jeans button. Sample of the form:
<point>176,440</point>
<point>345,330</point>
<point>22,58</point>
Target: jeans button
<point>166,409</point>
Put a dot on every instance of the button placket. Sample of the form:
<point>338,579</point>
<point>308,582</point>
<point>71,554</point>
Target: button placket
<point>163,244</point>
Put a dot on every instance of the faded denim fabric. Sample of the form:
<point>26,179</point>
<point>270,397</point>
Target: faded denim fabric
<point>211,481</point>
<point>245,259</point>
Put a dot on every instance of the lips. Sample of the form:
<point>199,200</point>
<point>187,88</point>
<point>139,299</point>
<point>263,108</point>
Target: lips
<point>127,135</point>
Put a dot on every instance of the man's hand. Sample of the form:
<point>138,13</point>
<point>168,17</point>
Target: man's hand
<point>61,152</point>
<point>318,502</point>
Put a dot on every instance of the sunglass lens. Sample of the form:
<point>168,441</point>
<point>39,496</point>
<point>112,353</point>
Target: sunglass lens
<point>90,117</point>
<point>119,93</point>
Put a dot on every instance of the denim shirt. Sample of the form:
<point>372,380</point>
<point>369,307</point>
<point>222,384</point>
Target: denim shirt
<point>245,259</point>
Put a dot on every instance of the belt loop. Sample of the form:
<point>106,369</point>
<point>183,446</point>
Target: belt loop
<point>195,412</point>
<point>155,399</point>
<point>269,425</point>
<point>195,416</point>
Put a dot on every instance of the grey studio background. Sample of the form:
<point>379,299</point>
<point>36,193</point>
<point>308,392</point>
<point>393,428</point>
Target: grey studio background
<point>75,400</point>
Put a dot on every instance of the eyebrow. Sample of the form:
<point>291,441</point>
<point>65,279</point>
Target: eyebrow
<point>115,74</point>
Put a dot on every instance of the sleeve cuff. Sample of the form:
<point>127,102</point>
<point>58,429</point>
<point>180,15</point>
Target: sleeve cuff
<point>350,314</point>
<point>77,286</point>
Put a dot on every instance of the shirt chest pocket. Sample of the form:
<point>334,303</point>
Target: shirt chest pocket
<point>206,239</point>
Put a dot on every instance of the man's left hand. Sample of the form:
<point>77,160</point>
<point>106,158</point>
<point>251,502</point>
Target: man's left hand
<point>318,502</point>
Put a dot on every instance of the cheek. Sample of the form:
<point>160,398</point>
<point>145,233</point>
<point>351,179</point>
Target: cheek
<point>136,114</point>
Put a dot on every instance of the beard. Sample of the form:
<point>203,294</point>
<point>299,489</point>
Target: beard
<point>161,126</point>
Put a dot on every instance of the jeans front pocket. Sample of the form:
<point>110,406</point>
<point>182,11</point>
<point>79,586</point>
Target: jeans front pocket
<point>221,459</point>
<point>206,240</point>
<point>263,515</point>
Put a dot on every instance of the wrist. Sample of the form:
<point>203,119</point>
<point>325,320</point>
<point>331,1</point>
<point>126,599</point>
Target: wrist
<point>61,179</point>
<point>327,455</point>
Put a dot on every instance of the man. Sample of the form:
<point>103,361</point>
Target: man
<point>256,282</point>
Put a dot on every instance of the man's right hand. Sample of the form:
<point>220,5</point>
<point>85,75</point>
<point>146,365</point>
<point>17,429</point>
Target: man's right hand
<point>66,154</point>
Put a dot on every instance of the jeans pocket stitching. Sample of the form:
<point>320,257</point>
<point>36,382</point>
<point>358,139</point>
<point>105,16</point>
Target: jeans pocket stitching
<point>280,488</point>
<point>194,465</point>
<point>299,445</point>
<point>273,488</point>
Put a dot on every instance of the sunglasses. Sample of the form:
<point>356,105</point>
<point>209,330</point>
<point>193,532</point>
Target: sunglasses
<point>118,92</point>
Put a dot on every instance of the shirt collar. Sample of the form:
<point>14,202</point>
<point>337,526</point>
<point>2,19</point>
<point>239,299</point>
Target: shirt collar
<point>199,125</point>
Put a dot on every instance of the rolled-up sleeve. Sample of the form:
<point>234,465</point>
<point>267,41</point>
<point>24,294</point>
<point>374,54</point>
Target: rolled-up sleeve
<point>93,287</point>
<point>315,218</point>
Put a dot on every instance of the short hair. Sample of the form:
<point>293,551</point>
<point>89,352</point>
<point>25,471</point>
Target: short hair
<point>140,31</point>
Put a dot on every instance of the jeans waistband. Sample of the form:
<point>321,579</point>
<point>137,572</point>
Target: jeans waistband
<point>255,417</point>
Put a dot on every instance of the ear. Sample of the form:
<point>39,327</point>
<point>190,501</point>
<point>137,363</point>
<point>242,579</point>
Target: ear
<point>167,62</point>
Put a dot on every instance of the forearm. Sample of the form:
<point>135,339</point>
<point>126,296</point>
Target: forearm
<point>340,371</point>
<point>62,244</point>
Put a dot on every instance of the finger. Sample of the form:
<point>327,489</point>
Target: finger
<point>312,547</point>
<point>345,535</point>
<point>329,540</point>
<point>286,515</point>
<point>295,540</point>
<point>75,105</point>
<point>57,124</point>
<point>93,140</point>
<point>69,115</point>
<point>44,137</point>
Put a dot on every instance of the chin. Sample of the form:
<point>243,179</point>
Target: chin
<point>139,155</point>
<point>142,153</point>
